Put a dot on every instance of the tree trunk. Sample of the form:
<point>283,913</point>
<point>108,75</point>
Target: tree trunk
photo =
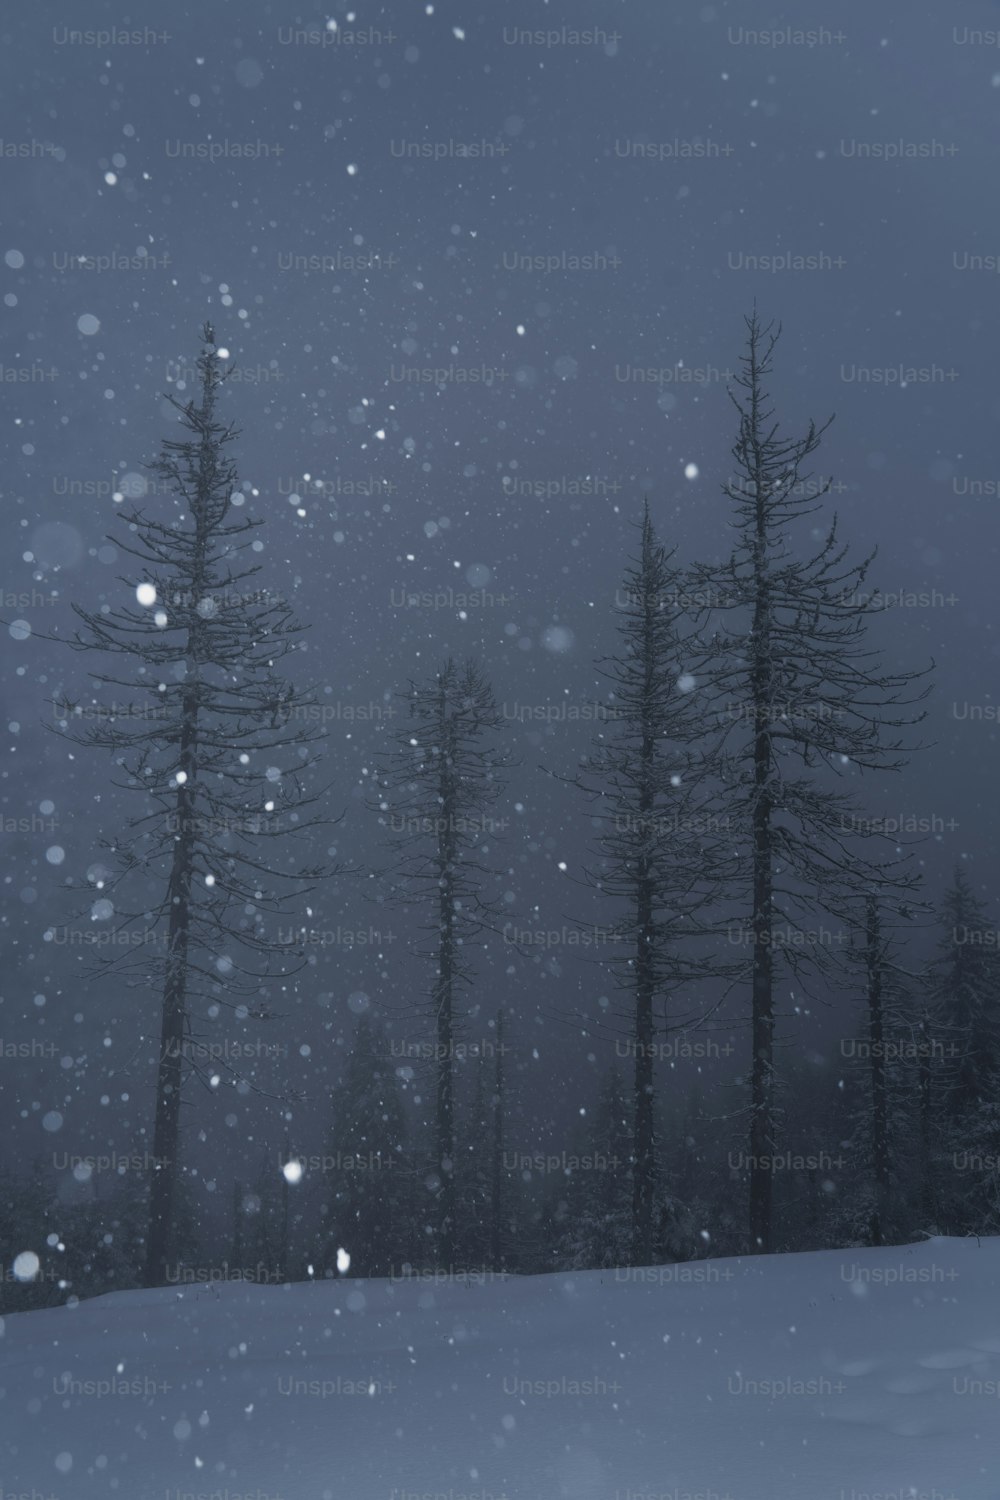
<point>237,1225</point>
<point>166,1130</point>
<point>445,1123</point>
<point>445,1090</point>
<point>496,1194</point>
<point>880,1106</point>
<point>762,1022</point>
<point>283,1244</point>
<point>644,1143</point>
<point>926,1100</point>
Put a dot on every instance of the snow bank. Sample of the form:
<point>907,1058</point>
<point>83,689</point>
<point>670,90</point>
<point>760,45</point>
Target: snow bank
<point>829,1376</point>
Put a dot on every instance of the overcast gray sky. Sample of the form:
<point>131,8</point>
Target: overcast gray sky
<point>483,268</point>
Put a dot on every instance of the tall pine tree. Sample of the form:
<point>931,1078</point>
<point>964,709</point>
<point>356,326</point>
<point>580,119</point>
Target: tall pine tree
<point>216,745</point>
<point>660,843</point>
<point>437,790</point>
<point>805,709</point>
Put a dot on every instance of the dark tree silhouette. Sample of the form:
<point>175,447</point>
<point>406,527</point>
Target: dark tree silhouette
<point>804,706</point>
<point>218,745</point>
<point>888,1064</point>
<point>965,999</point>
<point>436,790</point>
<point>498,1203</point>
<point>660,843</point>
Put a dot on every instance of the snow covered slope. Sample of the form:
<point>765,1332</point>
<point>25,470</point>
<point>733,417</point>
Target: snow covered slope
<point>831,1376</point>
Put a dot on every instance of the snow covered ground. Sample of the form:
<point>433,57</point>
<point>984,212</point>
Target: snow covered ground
<point>830,1376</point>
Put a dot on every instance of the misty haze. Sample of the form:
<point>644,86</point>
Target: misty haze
<point>501,989</point>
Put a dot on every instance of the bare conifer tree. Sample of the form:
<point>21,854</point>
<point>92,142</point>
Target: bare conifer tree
<point>805,710</point>
<point>218,746</point>
<point>660,843</point>
<point>435,793</point>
